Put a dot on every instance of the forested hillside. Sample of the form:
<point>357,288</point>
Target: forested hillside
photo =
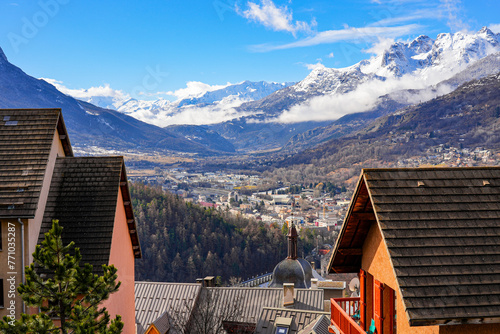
<point>181,241</point>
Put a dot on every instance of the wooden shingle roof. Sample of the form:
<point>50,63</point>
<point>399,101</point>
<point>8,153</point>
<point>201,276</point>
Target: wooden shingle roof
<point>441,227</point>
<point>83,196</point>
<point>26,137</point>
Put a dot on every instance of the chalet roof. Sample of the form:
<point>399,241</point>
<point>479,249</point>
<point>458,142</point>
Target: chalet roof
<point>301,319</point>
<point>26,137</point>
<point>252,300</point>
<point>162,324</point>
<point>83,196</point>
<point>442,230</point>
<point>318,326</point>
<point>154,299</point>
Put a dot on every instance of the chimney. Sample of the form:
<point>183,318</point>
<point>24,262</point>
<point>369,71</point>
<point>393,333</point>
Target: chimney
<point>314,283</point>
<point>288,294</point>
<point>209,281</point>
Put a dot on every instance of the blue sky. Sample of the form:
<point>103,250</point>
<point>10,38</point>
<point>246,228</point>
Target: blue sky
<point>157,46</point>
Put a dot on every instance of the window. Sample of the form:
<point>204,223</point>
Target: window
<point>281,330</point>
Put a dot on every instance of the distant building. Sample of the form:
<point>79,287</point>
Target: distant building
<point>293,269</point>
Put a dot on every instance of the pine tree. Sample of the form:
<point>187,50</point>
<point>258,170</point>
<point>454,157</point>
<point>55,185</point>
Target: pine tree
<point>66,291</point>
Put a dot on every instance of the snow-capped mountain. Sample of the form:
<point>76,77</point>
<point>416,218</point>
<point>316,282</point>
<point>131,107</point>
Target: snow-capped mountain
<point>327,94</point>
<point>218,105</point>
<point>244,91</point>
<point>447,53</point>
<point>253,116</point>
<point>417,64</point>
<point>87,124</point>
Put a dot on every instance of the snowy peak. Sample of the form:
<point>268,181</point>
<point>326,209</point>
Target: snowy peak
<point>421,44</point>
<point>245,91</point>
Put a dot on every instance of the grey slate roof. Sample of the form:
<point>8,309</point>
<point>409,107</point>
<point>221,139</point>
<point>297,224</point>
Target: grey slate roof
<point>83,197</point>
<point>153,299</point>
<point>162,324</point>
<point>300,320</point>
<point>252,300</point>
<point>442,230</point>
<point>318,326</point>
<point>25,141</point>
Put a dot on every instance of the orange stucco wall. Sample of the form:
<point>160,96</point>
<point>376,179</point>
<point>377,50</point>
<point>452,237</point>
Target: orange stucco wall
<point>122,257</point>
<point>152,330</point>
<point>376,261</point>
<point>470,329</point>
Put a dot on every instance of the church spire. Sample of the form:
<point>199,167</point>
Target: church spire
<point>292,242</point>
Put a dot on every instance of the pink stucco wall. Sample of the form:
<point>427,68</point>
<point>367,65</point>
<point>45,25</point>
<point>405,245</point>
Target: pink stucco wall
<point>122,257</point>
<point>33,226</point>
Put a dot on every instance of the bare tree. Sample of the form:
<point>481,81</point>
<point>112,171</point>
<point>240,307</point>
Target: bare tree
<point>214,307</point>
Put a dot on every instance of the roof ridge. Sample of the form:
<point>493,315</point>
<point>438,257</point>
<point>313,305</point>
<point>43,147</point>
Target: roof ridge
<point>294,310</point>
<point>427,168</point>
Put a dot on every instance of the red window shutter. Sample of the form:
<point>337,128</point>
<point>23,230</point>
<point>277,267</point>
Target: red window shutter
<point>392,315</point>
<point>378,309</point>
<point>362,299</point>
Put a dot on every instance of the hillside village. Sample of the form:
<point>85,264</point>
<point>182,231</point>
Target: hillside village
<point>238,194</point>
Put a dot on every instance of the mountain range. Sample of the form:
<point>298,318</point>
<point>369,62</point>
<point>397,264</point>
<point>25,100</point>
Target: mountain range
<point>259,116</point>
<point>87,124</point>
<point>404,74</point>
<point>466,119</point>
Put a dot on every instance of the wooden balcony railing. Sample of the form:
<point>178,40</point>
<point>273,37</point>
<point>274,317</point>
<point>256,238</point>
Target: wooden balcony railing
<point>343,312</point>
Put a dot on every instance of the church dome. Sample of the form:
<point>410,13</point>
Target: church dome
<point>296,271</point>
<point>292,269</point>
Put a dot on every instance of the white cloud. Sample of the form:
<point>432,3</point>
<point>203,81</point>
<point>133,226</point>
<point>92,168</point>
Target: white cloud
<point>453,9</point>
<point>364,34</point>
<point>365,97</point>
<point>195,89</point>
<point>381,46</point>
<point>495,27</point>
<point>330,55</point>
<point>222,111</point>
<point>416,14</point>
<point>311,67</point>
<point>275,18</point>
<point>83,94</point>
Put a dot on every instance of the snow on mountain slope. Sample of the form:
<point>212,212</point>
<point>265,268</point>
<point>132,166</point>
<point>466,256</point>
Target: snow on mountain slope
<point>206,108</point>
<point>328,94</point>
<point>245,91</point>
<point>325,94</point>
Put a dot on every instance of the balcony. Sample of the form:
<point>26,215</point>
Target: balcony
<point>345,316</point>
